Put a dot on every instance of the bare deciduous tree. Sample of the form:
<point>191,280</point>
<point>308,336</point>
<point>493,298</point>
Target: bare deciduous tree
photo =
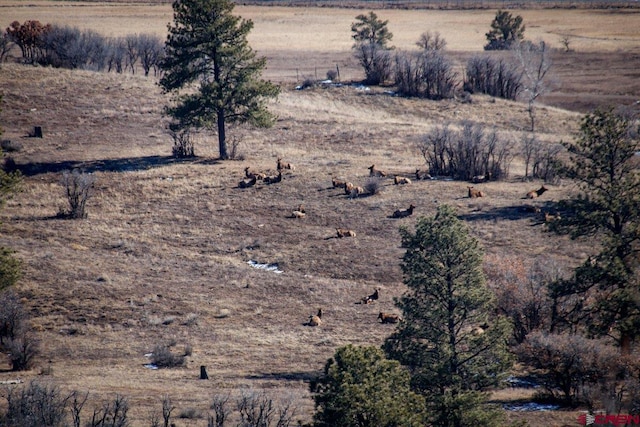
<point>431,41</point>
<point>429,74</point>
<point>78,189</point>
<point>535,60</point>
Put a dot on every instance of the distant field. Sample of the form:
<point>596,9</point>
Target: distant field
<point>163,255</point>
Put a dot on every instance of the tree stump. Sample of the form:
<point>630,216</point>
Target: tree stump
<point>37,132</point>
<point>203,373</point>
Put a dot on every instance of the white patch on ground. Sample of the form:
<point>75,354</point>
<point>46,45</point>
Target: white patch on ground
<point>268,267</point>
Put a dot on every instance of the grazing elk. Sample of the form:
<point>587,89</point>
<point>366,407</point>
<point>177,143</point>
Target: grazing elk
<point>376,172</point>
<point>536,193</point>
<point>403,213</point>
<point>388,317</point>
<point>473,193</point>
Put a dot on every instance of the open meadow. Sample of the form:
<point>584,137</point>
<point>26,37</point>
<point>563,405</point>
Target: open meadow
<point>163,256</point>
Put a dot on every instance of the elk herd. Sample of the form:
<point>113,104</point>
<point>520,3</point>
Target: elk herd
<point>251,178</point>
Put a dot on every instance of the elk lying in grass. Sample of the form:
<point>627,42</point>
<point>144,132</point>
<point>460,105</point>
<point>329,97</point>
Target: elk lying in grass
<point>357,191</point>
<point>388,317</point>
<point>536,193</point>
<point>299,213</point>
<point>376,172</point>
<point>348,187</point>
<point>371,298</point>
<point>550,217</point>
<point>400,180</point>
<point>473,193</point>
<point>337,183</point>
<point>403,213</point>
<point>273,179</point>
<point>256,175</point>
<point>343,232</point>
<point>247,182</point>
<point>280,165</point>
<point>422,175</point>
<point>315,320</point>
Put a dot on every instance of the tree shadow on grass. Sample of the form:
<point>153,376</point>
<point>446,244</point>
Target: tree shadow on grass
<point>286,376</point>
<point>128,164</point>
<point>511,213</point>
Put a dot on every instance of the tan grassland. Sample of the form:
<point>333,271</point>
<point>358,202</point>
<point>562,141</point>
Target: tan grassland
<point>163,255</point>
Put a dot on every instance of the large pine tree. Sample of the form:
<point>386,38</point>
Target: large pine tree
<point>207,47</point>
<point>604,294</point>
<point>452,344</point>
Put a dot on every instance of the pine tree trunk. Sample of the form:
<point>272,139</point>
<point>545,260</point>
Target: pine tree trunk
<point>222,137</point>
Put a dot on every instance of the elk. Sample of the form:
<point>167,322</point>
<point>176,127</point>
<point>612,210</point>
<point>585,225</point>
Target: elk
<point>257,175</point>
<point>536,193</point>
<point>343,232</point>
<point>247,182</point>
<point>403,213</point>
<point>398,180</point>
<point>337,183</point>
<point>273,179</point>
<point>388,317</point>
<point>315,320</point>
<point>473,193</point>
<point>376,172</point>
<point>282,165</point>
<point>371,298</point>
<point>422,175</point>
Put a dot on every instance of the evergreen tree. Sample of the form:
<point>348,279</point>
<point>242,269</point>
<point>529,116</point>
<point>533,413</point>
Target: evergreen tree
<point>361,388</point>
<point>10,267</point>
<point>207,47</point>
<point>452,346</point>
<point>371,47</point>
<point>505,30</point>
<point>604,294</point>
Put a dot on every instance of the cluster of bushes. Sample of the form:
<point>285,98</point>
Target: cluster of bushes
<point>38,404</point>
<point>68,47</point>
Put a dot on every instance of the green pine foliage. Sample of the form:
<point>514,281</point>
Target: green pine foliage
<point>360,387</point>
<point>371,47</point>
<point>10,267</point>
<point>453,346</point>
<point>369,29</point>
<point>505,31</point>
<point>207,50</point>
<point>604,164</point>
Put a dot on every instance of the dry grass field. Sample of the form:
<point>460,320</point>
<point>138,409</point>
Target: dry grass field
<point>163,256</point>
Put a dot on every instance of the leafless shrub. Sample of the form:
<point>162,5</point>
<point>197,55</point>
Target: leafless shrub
<point>162,357</point>
<point>70,47</point>
<point>183,145</point>
<point>190,413</point>
<point>431,41</point>
<point>428,74</point>
<point>150,51</point>
<point>373,185</point>
<point>12,316</point>
<point>546,163</point>
<point>5,46</point>
<point>167,409</point>
<point>308,82</point>
<point>566,42</point>
<point>112,414</point>
<point>10,146</point>
<point>35,405</point>
<point>573,362</point>
<point>466,153</point>
<point>221,411</point>
<point>78,189</point>
<point>256,409</point>
<point>493,76</point>
<point>332,75</point>
<point>23,349</point>
<point>116,52</point>
<point>77,403</point>
<point>376,61</point>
